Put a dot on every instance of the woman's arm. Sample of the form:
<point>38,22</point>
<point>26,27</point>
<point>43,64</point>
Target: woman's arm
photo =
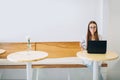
<point>83,43</point>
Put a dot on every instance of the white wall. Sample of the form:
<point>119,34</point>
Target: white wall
<point>47,20</point>
<point>113,37</point>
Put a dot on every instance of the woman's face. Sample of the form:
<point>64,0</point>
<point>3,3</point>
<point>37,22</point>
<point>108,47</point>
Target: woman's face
<point>92,28</point>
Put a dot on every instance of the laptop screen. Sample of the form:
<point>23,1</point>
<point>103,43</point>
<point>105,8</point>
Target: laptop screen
<point>97,47</point>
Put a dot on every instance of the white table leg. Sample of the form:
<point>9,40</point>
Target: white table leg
<point>29,70</point>
<point>95,70</point>
<point>37,74</point>
<point>68,74</point>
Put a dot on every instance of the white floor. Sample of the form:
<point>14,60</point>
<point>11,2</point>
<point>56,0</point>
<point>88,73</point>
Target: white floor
<point>50,74</point>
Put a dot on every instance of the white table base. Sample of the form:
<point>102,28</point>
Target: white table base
<point>68,74</point>
<point>37,74</point>
<point>29,70</point>
<point>95,70</point>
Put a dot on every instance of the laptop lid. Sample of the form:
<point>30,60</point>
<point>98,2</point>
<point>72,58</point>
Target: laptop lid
<point>97,47</point>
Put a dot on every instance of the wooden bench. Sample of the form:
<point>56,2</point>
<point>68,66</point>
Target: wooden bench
<point>62,52</point>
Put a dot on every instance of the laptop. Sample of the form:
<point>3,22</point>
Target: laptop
<point>97,47</point>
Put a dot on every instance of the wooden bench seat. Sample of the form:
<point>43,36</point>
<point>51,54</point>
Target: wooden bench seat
<point>72,62</point>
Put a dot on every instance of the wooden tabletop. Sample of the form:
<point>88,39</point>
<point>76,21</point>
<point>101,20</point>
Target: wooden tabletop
<point>27,56</point>
<point>98,57</point>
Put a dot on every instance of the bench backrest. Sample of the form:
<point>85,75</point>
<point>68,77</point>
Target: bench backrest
<point>54,49</point>
<point>11,47</point>
<point>59,49</point>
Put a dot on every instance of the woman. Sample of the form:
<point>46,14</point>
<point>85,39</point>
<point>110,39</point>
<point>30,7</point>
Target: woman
<point>92,34</point>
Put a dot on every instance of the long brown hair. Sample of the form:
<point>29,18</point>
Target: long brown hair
<point>89,35</point>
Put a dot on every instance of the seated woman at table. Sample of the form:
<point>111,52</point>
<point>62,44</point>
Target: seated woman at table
<point>92,34</point>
